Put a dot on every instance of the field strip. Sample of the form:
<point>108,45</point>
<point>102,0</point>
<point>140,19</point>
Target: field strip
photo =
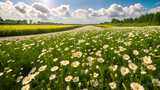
<point>85,28</point>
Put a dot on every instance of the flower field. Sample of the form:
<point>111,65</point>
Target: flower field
<point>115,58</point>
<point>14,30</point>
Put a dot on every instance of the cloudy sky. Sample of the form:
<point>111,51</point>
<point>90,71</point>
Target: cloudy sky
<point>76,11</point>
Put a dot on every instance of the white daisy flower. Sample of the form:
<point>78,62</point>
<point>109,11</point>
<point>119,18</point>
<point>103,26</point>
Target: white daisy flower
<point>124,71</point>
<point>136,86</point>
<point>42,68</point>
<point>64,62</point>
<point>52,77</point>
<point>55,68</point>
<point>75,64</point>
<point>68,78</point>
<point>113,85</point>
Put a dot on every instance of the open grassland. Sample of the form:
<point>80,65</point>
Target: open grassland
<point>120,59</point>
<point>13,30</point>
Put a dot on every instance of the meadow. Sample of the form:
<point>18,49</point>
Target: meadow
<point>14,30</point>
<point>113,58</point>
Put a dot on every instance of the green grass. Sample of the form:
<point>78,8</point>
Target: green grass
<point>13,30</point>
<point>96,51</point>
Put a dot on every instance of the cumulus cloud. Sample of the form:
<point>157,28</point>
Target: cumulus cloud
<point>81,13</point>
<point>64,14</point>
<point>154,10</point>
<point>63,10</point>
<point>40,7</point>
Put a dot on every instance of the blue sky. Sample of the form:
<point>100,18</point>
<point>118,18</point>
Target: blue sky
<point>96,4</point>
<point>76,11</point>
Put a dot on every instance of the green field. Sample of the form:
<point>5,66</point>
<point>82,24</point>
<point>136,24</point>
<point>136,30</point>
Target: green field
<point>13,30</point>
<point>115,58</point>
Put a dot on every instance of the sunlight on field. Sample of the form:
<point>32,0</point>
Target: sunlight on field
<point>12,30</point>
<point>105,25</point>
<point>32,27</point>
<point>90,60</point>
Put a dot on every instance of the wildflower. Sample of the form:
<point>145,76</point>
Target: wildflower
<point>135,52</point>
<point>90,59</point>
<point>156,82</point>
<point>136,86</point>
<point>113,67</point>
<point>143,72</point>
<point>105,46</point>
<point>113,85</point>
<point>132,66</point>
<point>126,57</point>
<point>124,71</point>
<point>147,60</point>
<point>55,68</point>
<point>19,79</point>
<point>77,54</point>
<point>9,70</point>
<point>95,75</point>
<point>68,78</point>
<point>95,83</point>
<point>98,53</point>
<point>42,68</point>
<point>26,87</point>
<point>55,59</point>
<point>1,73</point>
<point>27,79</point>
<point>76,79</point>
<point>151,67</point>
<point>64,62</point>
<point>100,60</point>
<point>75,64</point>
<point>52,77</point>
<point>121,49</point>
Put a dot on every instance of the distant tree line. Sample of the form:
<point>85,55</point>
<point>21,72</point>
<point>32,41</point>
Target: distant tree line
<point>14,22</point>
<point>10,21</point>
<point>148,19</point>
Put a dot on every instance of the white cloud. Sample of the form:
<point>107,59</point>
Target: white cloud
<point>154,10</point>
<point>80,13</point>
<point>63,10</point>
<point>40,7</point>
<point>7,10</point>
<point>64,14</point>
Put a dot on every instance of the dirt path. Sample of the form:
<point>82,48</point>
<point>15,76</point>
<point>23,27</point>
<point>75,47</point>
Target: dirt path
<point>46,34</point>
